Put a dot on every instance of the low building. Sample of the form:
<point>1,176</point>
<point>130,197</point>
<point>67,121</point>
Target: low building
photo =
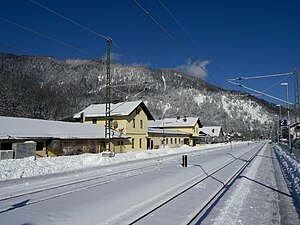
<point>236,136</point>
<point>55,138</point>
<point>188,125</point>
<point>158,138</point>
<point>128,118</point>
<point>212,134</point>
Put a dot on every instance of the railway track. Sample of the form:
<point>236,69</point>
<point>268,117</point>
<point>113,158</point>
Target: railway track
<point>153,216</point>
<point>153,163</point>
<point>81,184</point>
<point>14,201</point>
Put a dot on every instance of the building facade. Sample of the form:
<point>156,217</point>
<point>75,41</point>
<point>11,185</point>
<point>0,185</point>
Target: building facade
<point>158,138</point>
<point>127,118</point>
<point>55,138</point>
<point>187,125</point>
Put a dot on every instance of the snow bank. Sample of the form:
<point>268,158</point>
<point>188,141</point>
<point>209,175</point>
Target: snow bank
<point>290,166</point>
<point>27,167</point>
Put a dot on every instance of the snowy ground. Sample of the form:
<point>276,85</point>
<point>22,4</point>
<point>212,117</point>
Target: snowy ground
<point>114,194</point>
<point>291,170</point>
<point>28,167</point>
<point>258,196</point>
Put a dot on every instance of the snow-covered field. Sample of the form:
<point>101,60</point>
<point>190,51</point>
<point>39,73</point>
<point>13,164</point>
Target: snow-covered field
<point>257,196</point>
<point>290,166</point>
<point>27,167</point>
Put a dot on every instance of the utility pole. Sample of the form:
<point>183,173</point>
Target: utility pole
<point>233,81</point>
<point>286,85</point>
<point>297,101</point>
<point>107,98</point>
<point>279,125</point>
<point>225,127</point>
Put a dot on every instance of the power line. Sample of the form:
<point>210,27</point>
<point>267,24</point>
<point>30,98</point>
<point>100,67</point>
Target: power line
<point>184,30</point>
<point>83,27</point>
<point>262,76</point>
<point>72,21</point>
<point>276,83</point>
<point>256,91</point>
<point>46,37</point>
<point>178,23</point>
<point>17,49</point>
<point>173,39</point>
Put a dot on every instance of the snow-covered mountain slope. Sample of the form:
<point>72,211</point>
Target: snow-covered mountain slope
<point>44,87</point>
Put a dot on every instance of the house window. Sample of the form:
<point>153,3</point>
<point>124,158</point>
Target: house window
<point>141,124</point>
<point>121,142</point>
<point>94,121</point>
<point>6,146</point>
<point>132,143</point>
<point>171,140</point>
<point>166,140</point>
<point>178,140</point>
<point>141,142</point>
<point>133,123</point>
<point>175,140</point>
<point>39,146</point>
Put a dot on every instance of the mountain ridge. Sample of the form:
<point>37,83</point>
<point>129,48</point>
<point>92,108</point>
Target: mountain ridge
<point>47,88</point>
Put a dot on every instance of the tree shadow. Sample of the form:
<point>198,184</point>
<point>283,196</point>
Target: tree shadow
<point>244,160</point>
<point>17,205</point>
<point>266,186</point>
<point>222,193</point>
<point>209,175</point>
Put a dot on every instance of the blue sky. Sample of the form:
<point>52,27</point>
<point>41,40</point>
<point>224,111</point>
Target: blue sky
<point>233,38</point>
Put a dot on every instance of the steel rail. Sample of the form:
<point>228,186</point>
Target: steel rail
<point>156,161</point>
<point>228,183</point>
<point>152,165</point>
<point>198,182</point>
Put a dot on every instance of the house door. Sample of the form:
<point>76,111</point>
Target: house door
<point>186,141</point>
<point>102,146</point>
<point>148,143</point>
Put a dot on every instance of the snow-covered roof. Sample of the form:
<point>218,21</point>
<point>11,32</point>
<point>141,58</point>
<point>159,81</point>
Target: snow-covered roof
<point>175,122</point>
<point>119,109</point>
<point>24,128</point>
<point>214,131</point>
<point>166,131</point>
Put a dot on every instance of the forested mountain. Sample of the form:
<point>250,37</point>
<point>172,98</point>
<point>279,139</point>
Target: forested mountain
<point>48,88</point>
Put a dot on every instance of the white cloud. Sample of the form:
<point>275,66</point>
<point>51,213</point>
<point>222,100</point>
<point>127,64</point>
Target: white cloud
<point>193,69</point>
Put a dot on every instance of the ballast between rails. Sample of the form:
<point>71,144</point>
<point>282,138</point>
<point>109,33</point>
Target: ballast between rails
<point>231,179</point>
<point>157,164</point>
<point>229,182</point>
<point>157,161</point>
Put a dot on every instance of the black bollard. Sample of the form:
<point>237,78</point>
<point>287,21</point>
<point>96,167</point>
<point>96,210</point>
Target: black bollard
<point>184,160</point>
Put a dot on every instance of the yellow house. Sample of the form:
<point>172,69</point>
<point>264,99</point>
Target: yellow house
<point>158,138</point>
<point>55,138</point>
<point>127,118</point>
<point>189,125</point>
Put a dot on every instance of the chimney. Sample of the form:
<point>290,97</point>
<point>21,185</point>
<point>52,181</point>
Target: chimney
<point>82,117</point>
<point>184,119</point>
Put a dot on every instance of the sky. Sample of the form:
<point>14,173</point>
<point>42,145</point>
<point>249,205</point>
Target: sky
<point>228,39</point>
